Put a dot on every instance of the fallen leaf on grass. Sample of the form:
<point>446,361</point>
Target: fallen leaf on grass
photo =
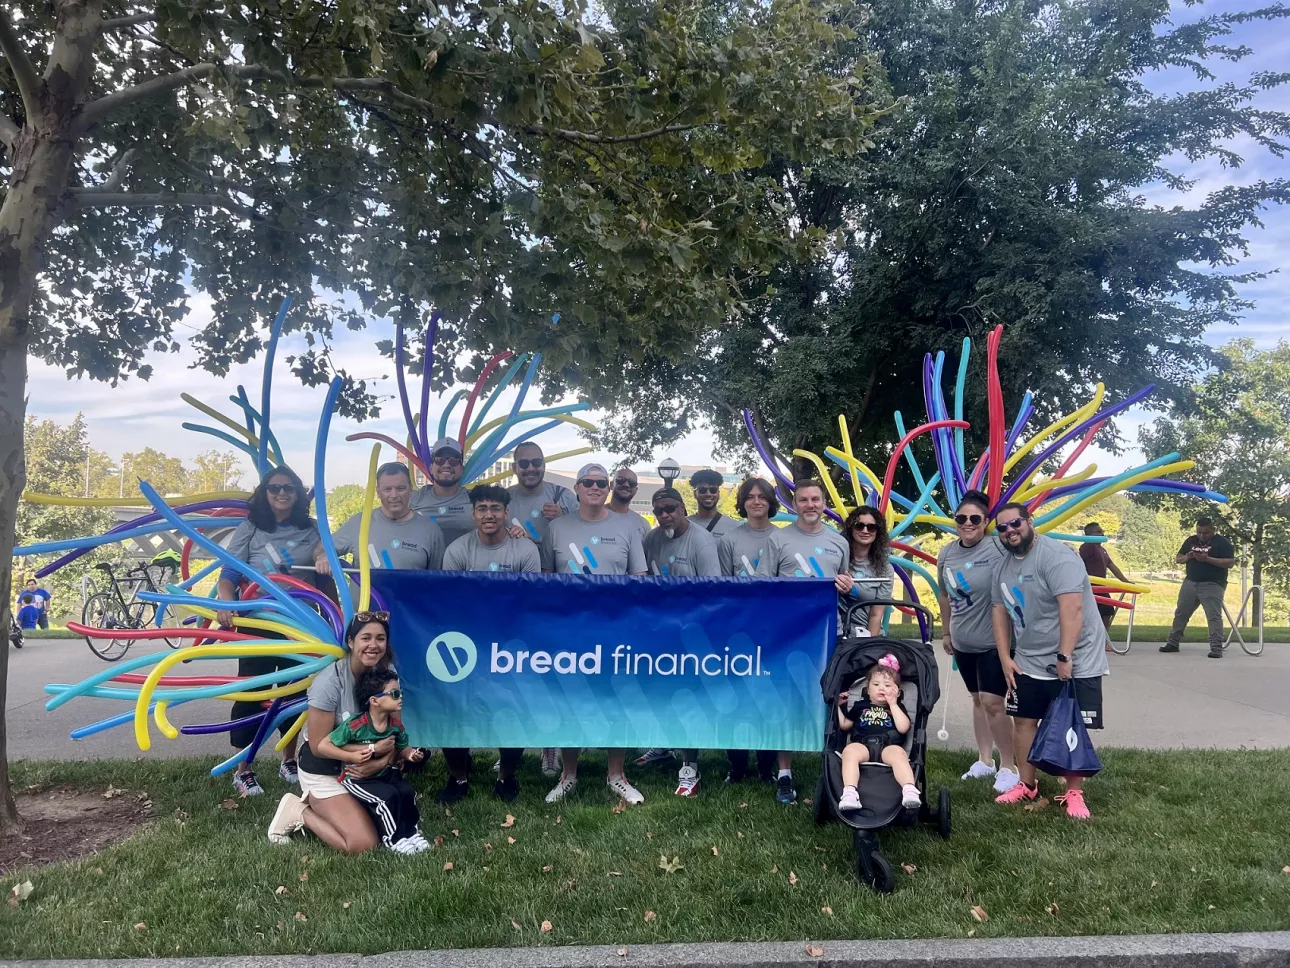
<point>510,840</point>
<point>775,869</point>
<point>304,858</point>
<point>1037,805</point>
<point>447,811</point>
<point>622,952</point>
<point>743,806</point>
<point>615,873</point>
<point>546,927</point>
<point>448,866</point>
<point>438,840</point>
<point>648,835</point>
<point>714,851</point>
<point>508,822</point>
<point>558,818</point>
<point>488,847</point>
<point>229,804</point>
<point>97,872</point>
<point>619,807</point>
<point>807,801</point>
<point>827,911</point>
<point>546,869</point>
<point>815,951</point>
<point>456,832</point>
<point>972,933</point>
<point>516,925</point>
<point>19,893</point>
<point>304,876</point>
<point>345,905</point>
<point>109,793</point>
<point>282,889</point>
<point>671,866</point>
<point>1211,907</point>
<point>141,926</point>
<point>1193,870</point>
<point>909,869</point>
<point>978,912</point>
<point>739,834</point>
<point>1053,909</point>
<point>650,915</point>
<point>1284,870</point>
<point>300,916</point>
<point>792,878</point>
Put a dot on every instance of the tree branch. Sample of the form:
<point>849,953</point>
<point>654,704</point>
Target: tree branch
<point>113,182</point>
<point>8,131</point>
<point>98,198</point>
<point>23,70</point>
<point>615,139</point>
<point>115,23</point>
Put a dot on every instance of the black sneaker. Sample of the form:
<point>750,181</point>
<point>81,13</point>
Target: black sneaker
<point>784,792</point>
<point>506,789</point>
<point>1216,653</point>
<point>1169,647</point>
<point>453,791</point>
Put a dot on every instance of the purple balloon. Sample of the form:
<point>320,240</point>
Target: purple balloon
<point>764,452</point>
<point>329,610</point>
<point>913,597</point>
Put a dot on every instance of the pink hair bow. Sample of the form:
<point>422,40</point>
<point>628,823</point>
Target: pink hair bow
<point>889,661</point>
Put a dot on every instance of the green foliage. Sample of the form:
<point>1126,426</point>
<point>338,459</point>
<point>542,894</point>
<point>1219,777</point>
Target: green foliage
<point>344,501</point>
<point>1007,188</point>
<point>1236,424</point>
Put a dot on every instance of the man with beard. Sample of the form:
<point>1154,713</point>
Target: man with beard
<point>677,548</point>
<point>443,499</point>
<point>625,485</point>
<point>707,495</point>
<point>1207,556</point>
<point>409,539</point>
<point>488,548</point>
<point>1043,599</point>
<point>535,503</point>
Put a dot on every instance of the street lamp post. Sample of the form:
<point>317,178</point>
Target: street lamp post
<point>669,470</point>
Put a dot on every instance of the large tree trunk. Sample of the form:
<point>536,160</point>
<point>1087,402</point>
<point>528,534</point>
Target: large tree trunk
<point>42,156</point>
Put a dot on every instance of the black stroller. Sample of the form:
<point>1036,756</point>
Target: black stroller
<point>852,660</point>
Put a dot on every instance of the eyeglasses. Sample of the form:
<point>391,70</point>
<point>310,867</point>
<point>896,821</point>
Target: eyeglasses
<point>625,482</point>
<point>371,616</point>
<point>396,694</point>
<point>446,461</point>
<point>280,488</point>
<point>493,508</point>
<point>667,509</point>
<point>865,526</point>
<point>1012,525</point>
<point>968,518</point>
<point>600,483</point>
<point>707,490</point>
<point>530,462</point>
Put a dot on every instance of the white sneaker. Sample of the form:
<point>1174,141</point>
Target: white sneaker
<point>405,846</point>
<point>979,770</point>
<point>550,761</point>
<point>622,789</point>
<point>562,789</point>
<point>654,755</point>
<point>850,800</point>
<point>1006,780</point>
<point>687,781</point>
<point>909,796</point>
<point>287,819</point>
<point>419,842</point>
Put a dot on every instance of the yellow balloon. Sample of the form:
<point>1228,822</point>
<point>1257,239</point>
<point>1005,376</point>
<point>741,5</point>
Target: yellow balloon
<point>364,532</point>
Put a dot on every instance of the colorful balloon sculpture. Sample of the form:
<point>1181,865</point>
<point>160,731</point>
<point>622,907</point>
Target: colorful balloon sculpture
<point>1052,500</point>
<point>311,625</point>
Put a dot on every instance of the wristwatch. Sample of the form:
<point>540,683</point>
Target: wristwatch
<point>1063,657</point>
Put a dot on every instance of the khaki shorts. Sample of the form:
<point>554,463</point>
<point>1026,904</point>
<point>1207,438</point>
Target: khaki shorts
<point>319,786</point>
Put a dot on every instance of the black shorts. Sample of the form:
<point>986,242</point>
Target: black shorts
<point>982,672</point>
<point>1106,611</point>
<point>1032,697</point>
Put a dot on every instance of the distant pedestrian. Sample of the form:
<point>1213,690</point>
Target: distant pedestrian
<point>1097,561</point>
<point>1207,556</point>
<point>41,598</point>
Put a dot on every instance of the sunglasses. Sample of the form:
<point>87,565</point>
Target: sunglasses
<point>371,616</point>
<point>396,694</point>
<point>531,462</point>
<point>865,526</point>
<point>968,518</point>
<point>707,490</point>
<point>625,482</point>
<point>446,461</point>
<point>1012,525</point>
<point>600,483</point>
<point>280,488</point>
<point>668,509</point>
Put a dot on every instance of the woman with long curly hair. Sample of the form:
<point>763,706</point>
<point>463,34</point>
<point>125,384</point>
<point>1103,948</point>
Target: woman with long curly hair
<point>869,576</point>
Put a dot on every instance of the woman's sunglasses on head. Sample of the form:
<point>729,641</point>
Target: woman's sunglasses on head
<point>969,518</point>
<point>280,488</point>
<point>371,616</point>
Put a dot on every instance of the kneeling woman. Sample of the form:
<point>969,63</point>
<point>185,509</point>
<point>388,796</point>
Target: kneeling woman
<point>327,809</point>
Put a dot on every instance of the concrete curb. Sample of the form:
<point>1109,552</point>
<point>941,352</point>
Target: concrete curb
<point>1123,951</point>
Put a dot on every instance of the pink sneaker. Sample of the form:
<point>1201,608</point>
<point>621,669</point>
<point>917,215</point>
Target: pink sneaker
<point>1019,794</point>
<point>1073,801</point>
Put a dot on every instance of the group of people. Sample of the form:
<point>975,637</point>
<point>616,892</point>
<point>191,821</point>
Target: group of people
<point>33,607</point>
<point>1020,619</point>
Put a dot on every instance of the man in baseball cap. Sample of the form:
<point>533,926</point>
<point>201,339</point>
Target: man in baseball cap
<point>444,499</point>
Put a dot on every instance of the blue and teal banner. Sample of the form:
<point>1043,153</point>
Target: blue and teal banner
<point>496,659</point>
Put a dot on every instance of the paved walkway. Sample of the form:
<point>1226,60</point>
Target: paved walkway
<point>1152,700</point>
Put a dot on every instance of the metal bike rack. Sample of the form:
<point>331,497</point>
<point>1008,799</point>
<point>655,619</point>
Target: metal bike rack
<point>1256,615</point>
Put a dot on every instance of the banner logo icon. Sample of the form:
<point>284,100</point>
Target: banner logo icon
<point>451,657</point>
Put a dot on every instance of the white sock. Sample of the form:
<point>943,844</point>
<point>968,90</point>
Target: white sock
<point>784,773</point>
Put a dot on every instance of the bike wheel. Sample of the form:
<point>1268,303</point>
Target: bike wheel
<point>102,611</point>
<point>172,619</point>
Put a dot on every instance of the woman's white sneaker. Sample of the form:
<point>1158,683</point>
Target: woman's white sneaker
<point>287,819</point>
<point>1006,780</point>
<point>562,789</point>
<point>625,791</point>
<point>979,770</point>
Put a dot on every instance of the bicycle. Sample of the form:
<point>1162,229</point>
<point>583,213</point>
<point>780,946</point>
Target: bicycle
<point>118,607</point>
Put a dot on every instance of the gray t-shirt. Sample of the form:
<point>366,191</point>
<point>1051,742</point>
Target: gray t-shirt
<point>1028,588</point>
<point>745,552</point>
<point>526,509</point>
<point>797,548</point>
<point>611,546</point>
<point>271,551</point>
<point>689,554</point>
<point>638,522</point>
<point>469,553</point>
<point>866,589</point>
<point>332,691</point>
<point>414,544</point>
<point>725,524</point>
<point>452,514</point>
<point>967,577</point>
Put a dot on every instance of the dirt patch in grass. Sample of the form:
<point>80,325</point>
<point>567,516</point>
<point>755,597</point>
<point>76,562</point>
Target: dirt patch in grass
<point>66,823</point>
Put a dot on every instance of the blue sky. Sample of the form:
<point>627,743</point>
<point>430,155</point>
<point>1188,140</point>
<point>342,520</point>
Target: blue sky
<point>137,414</point>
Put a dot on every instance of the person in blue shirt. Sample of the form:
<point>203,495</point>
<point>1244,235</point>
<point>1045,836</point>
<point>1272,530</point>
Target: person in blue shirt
<point>40,598</point>
<point>29,612</point>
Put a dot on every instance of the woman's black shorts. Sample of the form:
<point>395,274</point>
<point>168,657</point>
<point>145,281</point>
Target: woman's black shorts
<point>982,672</point>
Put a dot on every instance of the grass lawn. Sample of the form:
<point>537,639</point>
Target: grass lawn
<point>1168,850</point>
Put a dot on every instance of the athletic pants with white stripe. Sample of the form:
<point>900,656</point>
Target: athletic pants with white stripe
<point>390,800</point>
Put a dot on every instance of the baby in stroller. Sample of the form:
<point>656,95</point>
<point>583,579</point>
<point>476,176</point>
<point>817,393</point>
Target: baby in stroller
<point>877,723</point>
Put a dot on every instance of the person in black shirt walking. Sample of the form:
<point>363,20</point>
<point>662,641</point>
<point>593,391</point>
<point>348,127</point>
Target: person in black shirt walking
<point>1207,556</point>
